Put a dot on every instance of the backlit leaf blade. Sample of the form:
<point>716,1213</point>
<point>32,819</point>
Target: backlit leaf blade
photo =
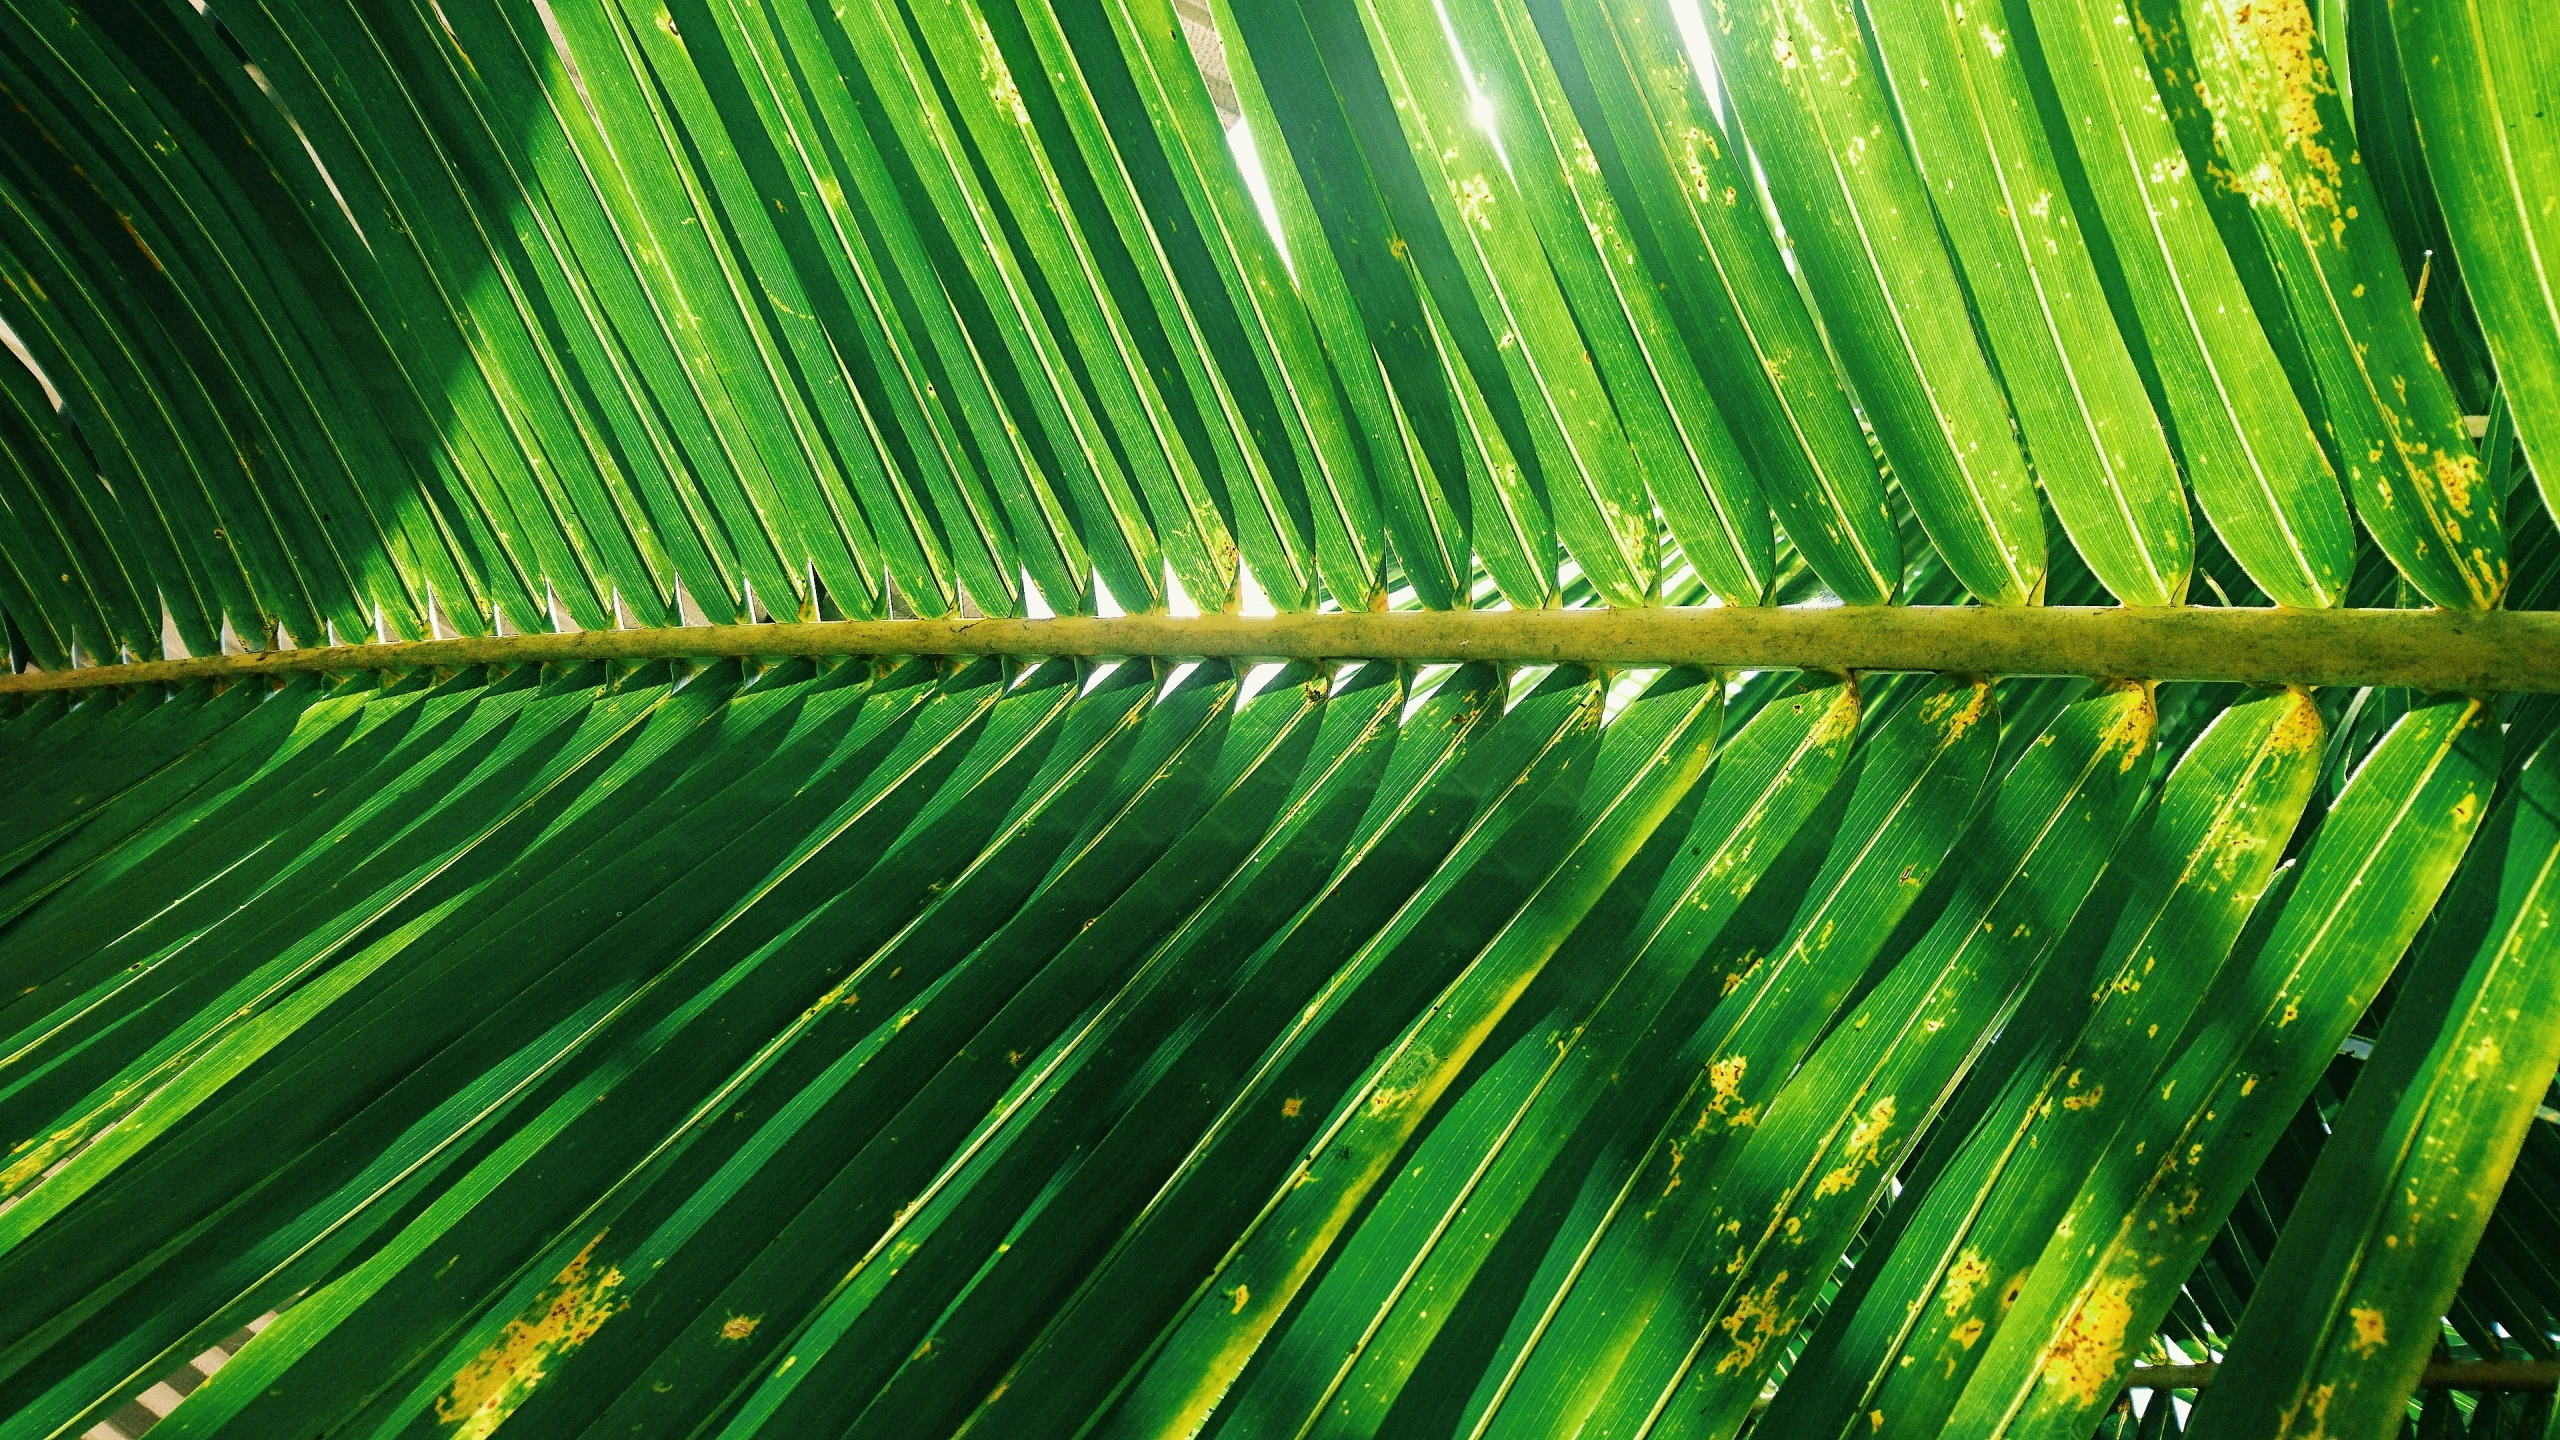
<point>2383,854</point>
<point>2259,474</point>
<point>1649,756</point>
<point>1708,496</point>
<point>2395,1211</point>
<point>1594,480</point>
<point>900,97</point>
<point>1961,82</point>
<point>978,77</point>
<point>1285,338</point>
<point>1853,203</point>
<point>2195,871</point>
<point>1396,819</point>
<point>2480,77</point>
<point>1344,1362</point>
<point>1729,285</point>
<point>1821,1152</point>
<point>1540,759</point>
<point>2283,141</point>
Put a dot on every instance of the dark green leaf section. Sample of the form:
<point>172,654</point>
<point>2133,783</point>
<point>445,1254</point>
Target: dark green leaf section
<point>2425,1145</point>
<point>761,1049</point>
<point>2087,1031</point>
<point>1039,1048</point>
<point>2382,856</point>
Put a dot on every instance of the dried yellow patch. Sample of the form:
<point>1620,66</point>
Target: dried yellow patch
<point>1736,980</point>
<point>1865,1138</point>
<point>739,1327</point>
<point>2131,737</point>
<point>30,1167</point>
<point>1289,1108</point>
<point>1841,720</point>
<point>2285,40</point>
<point>1969,1332</point>
<point>564,1315</point>
<point>2083,1360</point>
<point>2320,1399</point>
<point>1406,1077</point>
<point>1242,1296</point>
<point>1724,1081</point>
<point>2085,1102</point>
<point>2298,731</point>
<point>1956,711</point>
<point>1964,1280</point>
<point>2456,474</point>
<point>2482,1059</point>
<point>2369,1335</point>
<point>1757,1318</point>
<point>1700,182</point>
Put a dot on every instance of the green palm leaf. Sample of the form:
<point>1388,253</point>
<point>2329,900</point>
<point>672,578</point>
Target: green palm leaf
<point>1051,718</point>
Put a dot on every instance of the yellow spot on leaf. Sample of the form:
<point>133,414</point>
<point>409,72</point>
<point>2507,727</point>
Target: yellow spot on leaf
<point>1864,1139</point>
<point>2369,1335</point>
<point>2083,1360</point>
<point>1724,1079</point>
<point>999,77</point>
<point>1757,1318</point>
<point>1964,1280</point>
<point>30,1167</point>
<point>564,1315</point>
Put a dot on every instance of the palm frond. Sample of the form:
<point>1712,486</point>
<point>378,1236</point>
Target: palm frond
<point>1488,718</point>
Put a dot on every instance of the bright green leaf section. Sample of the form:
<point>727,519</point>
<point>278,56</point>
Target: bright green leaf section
<point>2280,141</point>
<point>2425,1145</point>
<point>2383,855</point>
<point>2007,213</point>
<point>2480,81</point>
<point>2190,876</point>
<point>1854,205</point>
<point>2258,471</point>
